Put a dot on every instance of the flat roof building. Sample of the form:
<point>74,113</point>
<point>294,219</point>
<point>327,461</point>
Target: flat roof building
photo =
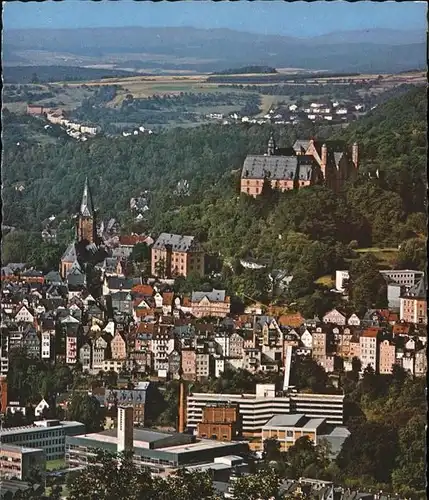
<point>19,461</point>
<point>256,409</point>
<point>287,429</point>
<point>49,435</point>
<point>161,452</point>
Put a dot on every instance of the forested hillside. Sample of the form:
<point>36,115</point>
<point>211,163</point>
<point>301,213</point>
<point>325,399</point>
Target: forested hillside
<point>309,233</point>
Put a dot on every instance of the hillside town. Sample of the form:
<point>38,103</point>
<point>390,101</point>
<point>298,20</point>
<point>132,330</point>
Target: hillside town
<point>213,276</point>
<point>139,333</point>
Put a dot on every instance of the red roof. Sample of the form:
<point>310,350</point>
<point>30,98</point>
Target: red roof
<point>146,328</point>
<point>132,239</point>
<point>293,320</point>
<point>167,298</point>
<point>371,332</point>
<point>144,290</point>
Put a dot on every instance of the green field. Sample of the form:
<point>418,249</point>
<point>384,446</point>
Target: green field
<point>385,256</point>
<point>56,464</point>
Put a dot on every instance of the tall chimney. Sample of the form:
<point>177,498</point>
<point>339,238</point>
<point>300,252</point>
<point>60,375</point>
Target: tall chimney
<point>324,155</point>
<point>182,407</point>
<point>355,155</point>
<point>125,428</point>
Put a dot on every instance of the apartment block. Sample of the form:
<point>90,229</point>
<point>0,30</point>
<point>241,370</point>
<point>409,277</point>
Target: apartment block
<point>368,349</point>
<point>20,462</point>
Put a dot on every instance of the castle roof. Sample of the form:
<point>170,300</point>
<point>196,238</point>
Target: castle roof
<point>277,167</point>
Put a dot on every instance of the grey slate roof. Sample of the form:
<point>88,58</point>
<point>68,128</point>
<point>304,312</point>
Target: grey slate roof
<point>213,296</point>
<point>87,206</point>
<point>70,254</point>
<point>337,157</point>
<point>119,283</point>
<point>279,167</point>
<point>418,291</point>
<point>178,242</point>
<point>54,278</point>
<point>122,396</point>
<point>289,420</point>
<point>301,145</point>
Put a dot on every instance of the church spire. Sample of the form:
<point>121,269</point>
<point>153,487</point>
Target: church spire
<point>87,206</point>
<point>271,145</point>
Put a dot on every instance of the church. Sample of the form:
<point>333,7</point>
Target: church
<point>307,163</point>
<point>87,248</point>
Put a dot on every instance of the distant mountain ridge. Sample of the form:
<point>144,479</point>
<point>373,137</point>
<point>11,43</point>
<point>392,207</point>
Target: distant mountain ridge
<point>215,49</point>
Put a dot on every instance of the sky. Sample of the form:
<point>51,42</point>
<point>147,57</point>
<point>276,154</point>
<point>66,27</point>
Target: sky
<point>299,19</point>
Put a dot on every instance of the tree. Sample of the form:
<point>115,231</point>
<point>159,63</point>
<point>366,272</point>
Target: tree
<point>367,287</point>
<point>410,473</point>
<point>370,450</point>
<point>301,285</point>
<point>116,476</point>
<point>140,253</point>
<point>306,373</point>
<point>304,454</point>
<point>184,485</point>
<point>413,254</point>
<point>111,477</point>
<point>264,484</point>
<point>271,449</point>
<point>86,409</point>
<point>160,268</point>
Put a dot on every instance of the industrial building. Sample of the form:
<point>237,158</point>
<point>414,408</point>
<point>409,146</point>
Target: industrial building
<point>220,421</point>
<point>161,452</point>
<point>257,409</point>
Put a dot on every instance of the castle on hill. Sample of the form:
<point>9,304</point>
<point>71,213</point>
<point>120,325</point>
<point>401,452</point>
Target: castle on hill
<point>307,163</point>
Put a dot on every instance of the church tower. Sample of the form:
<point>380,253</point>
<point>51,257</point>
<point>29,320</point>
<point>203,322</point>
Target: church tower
<point>86,224</point>
<point>272,148</point>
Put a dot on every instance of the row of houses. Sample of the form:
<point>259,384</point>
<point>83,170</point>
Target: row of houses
<point>147,328</point>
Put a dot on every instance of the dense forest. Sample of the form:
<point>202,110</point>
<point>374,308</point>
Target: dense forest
<point>46,74</point>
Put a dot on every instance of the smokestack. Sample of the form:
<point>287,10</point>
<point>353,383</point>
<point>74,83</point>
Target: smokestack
<point>288,360</point>
<point>182,407</point>
<point>324,155</point>
<point>125,428</point>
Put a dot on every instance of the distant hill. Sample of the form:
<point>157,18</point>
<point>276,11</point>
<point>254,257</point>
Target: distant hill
<point>248,70</point>
<point>46,74</point>
<point>216,49</point>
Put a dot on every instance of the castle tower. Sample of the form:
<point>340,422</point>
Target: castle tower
<point>324,161</point>
<point>86,225</point>
<point>355,155</point>
<point>125,428</point>
<point>271,150</point>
